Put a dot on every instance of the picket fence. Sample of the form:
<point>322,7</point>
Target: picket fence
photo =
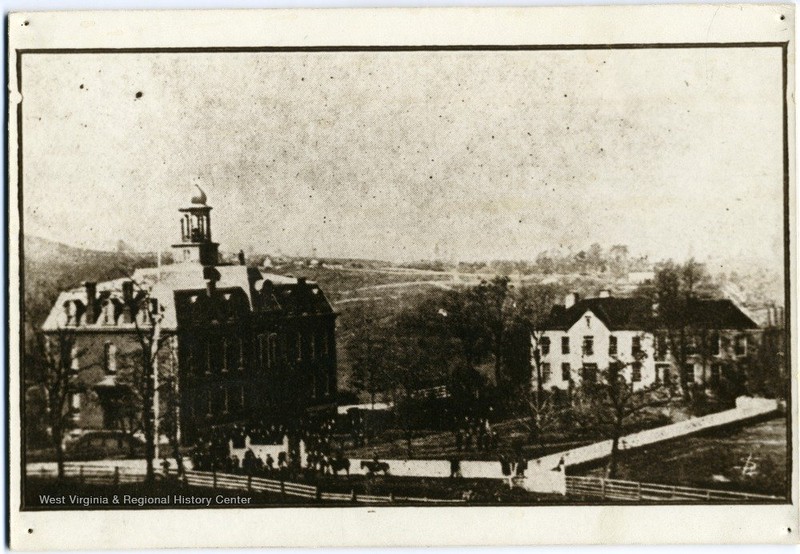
<point>104,475</point>
<point>615,489</point>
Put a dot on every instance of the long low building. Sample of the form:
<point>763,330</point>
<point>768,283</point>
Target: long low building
<point>240,346</point>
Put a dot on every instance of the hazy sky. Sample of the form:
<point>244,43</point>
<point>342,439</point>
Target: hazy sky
<point>411,155</point>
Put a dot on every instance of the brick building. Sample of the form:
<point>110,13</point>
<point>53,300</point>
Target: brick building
<point>245,347</point>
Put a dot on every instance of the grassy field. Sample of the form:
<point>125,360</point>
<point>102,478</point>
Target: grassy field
<point>718,460</point>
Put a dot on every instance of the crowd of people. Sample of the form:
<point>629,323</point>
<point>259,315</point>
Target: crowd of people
<point>475,433</point>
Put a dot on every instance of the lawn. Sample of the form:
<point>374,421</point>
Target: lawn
<point>748,459</point>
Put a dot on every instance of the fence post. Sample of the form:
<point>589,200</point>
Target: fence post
<point>283,490</point>
<point>317,493</point>
<point>639,490</point>
<point>214,477</point>
<point>708,495</point>
<point>116,475</point>
<point>391,498</point>
<point>80,475</point>
<point>603,489</point>
<point>674,492</point>
<point>353,495</point>
<point>249,482</point>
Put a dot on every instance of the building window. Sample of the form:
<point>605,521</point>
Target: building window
<point>590,373</point>
<point>75,402</point>
<point>691,345</point>
<point>688,372</point>
<point>299,346</point>
<point>714,344</point>
<point>588,345</point>
<point>612,345</point>
<point>209,403</point>
<point>272,350</point>
<point>545,346</point>
<point>225,353</point>
<point>545,373</point>
<point>636,345</point>
<point>313,346</point>
<point>109,357</point>
<point>225,399</point>
<point>74,360</point>
<point>565,345</point>
<point>740,345</point>
<point>636,372</point>
<point>241,397</point>
<point>662,373</point>
<point>661,347</point>
<point>566,372</point>
<point>715,373</point>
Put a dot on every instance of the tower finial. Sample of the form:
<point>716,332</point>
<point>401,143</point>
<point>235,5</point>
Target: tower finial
<point>199,197</point>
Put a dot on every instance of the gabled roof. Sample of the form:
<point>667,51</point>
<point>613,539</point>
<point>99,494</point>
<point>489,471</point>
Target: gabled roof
<point>615,313</point>
<point>637,314</point>
<point>719,314</point>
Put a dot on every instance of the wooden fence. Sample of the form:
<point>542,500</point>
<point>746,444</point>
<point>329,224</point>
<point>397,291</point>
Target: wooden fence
<point>103,475</point>
<point>632,491</point>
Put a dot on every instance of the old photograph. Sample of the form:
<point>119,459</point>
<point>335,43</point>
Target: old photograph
<point>439,275</point>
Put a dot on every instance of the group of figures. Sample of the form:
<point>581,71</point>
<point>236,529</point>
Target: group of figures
<point>475,432</point>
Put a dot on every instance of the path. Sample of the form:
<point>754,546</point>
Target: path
<point>746,409</point>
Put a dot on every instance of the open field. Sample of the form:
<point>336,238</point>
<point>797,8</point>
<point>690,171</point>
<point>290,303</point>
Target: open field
<point>718,461</point>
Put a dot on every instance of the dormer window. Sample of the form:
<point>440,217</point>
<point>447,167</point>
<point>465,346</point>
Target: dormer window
<point>588,319</point>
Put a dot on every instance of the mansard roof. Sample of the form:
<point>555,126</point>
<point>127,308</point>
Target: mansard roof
<point>636,313</point>
<point>260,292</point>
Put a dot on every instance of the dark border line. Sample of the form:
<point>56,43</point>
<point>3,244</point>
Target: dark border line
<point>432,48</point>
<point>787,237</point>
<point>404,48</point>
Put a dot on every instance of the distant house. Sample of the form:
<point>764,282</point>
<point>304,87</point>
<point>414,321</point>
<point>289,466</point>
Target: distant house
<point>246,347</point>
<point>639,277</point>
<point>582,337</point>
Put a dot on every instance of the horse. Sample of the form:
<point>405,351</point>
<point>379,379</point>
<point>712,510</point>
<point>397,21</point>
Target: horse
<point>374,467</point>
<point>336,465</point>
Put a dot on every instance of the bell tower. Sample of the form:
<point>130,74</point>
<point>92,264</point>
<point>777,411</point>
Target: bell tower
<point>196,245</point>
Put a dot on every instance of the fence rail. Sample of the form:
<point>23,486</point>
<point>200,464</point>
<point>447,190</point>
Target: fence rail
<point>615,489</point>
<point>226,481</point>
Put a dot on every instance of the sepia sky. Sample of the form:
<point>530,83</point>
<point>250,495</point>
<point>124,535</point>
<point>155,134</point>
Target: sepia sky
<point>401,156</point>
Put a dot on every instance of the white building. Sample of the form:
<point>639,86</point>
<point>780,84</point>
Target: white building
<point>582,337</point>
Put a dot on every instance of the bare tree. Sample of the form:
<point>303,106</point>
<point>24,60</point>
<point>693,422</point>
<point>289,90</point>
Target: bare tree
<point>612,401</point>
<point>53,372</point>
<point>147,315</point>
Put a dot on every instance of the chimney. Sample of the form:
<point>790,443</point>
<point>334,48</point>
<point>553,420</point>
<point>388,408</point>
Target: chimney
<point>127,292</point>
<point>241,257</point>
<point>127,302</point>
<point>571,299</point>
<point>211,275</point>
<point>605,293</point>
<point>91,299</point>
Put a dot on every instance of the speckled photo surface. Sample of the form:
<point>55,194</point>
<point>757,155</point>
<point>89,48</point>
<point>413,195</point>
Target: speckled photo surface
<point>405,277</point>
